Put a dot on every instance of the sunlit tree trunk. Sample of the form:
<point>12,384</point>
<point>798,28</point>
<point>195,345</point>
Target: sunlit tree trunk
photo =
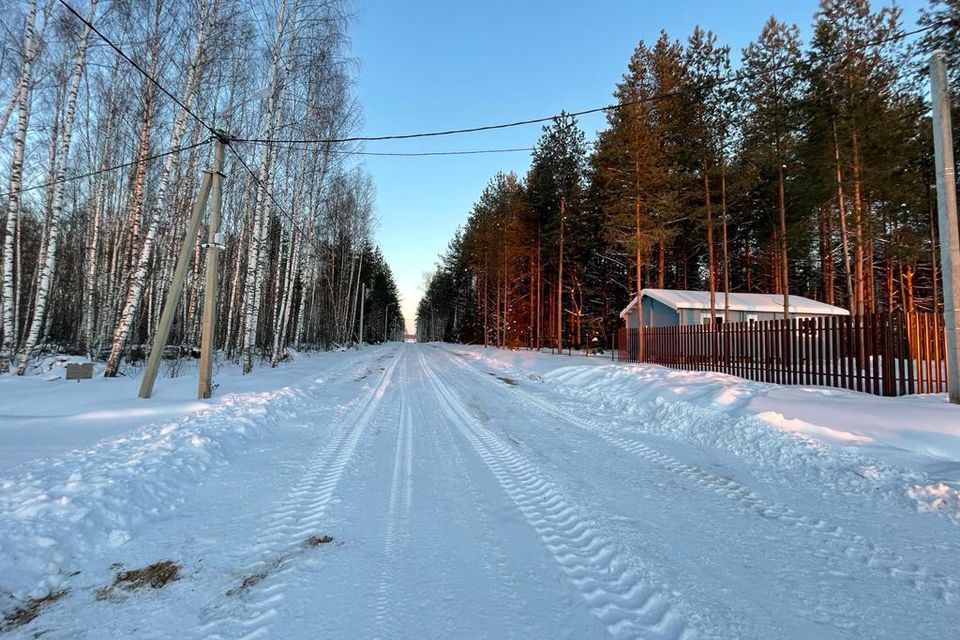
<point>24,85</point>
<point>56,204</point>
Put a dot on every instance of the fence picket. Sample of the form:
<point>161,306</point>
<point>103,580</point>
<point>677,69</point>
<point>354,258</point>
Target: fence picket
<point>876,353</point>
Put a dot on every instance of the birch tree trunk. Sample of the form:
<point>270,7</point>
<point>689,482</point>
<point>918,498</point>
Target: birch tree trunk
<point>139,277</point>
<point>11,106</point>
<point>283,317</point>
<point>56,205</point>
<point>90,288</point>
<point>9,293</point>
<point>256,255</point>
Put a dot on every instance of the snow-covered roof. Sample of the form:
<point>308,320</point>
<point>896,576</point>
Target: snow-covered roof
<point>755,302</point>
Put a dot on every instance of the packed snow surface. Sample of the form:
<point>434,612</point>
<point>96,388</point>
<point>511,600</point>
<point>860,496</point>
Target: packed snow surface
<point>443,491</point>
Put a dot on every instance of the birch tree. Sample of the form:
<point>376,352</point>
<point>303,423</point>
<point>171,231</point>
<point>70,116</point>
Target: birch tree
<point>22,91</point>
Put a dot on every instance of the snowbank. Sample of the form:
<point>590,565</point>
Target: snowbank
<point>44,415</point>
<point>88,500</point>
<point>852,441</point>
<point>80,473</point>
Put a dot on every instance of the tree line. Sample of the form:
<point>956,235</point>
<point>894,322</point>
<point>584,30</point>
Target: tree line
<point>808,170</point>
<point>101,158</point>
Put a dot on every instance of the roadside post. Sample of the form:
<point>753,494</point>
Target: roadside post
<point>947,209</point>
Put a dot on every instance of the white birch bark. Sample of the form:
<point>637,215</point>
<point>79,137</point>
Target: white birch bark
<point>56,205</point>
<point>9,293</point>
<point>8,110</point>
<point>98,202</point>
<point>139,278</point>
<point>279,72</point>
<point>283,317</point>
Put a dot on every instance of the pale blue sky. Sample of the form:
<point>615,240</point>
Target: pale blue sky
<point>428,65</point>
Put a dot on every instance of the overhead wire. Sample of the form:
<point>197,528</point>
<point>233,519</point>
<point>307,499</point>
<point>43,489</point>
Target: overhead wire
<point>733,79</point>
<point>412,154</point>
<point>120,52</point>
<point>404,154</point>
<point>115,167</point>
<point>273,198</point>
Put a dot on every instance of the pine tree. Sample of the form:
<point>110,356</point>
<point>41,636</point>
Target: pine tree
<point>860,77</point>
<point>772,92</point>
<point>555,184</point>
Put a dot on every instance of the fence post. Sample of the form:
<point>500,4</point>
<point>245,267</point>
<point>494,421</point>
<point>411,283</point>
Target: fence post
<point>886,348</point>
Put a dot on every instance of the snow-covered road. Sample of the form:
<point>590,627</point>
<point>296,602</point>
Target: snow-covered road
<point>465,498</point>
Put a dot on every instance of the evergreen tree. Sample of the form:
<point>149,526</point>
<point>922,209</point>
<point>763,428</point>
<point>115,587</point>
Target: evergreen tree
<point>772,92</point>
<point>555,185</point>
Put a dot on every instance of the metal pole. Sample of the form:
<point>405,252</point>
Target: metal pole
<point>205,385</point>
<point>363,298</point>
<point>176,287</point>
<point>947,208</point>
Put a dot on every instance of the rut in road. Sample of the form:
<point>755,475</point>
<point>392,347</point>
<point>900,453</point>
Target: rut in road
<point>247,612</point>
<point>401,502</point>
<point>842,543</point>
<point>614,591</point>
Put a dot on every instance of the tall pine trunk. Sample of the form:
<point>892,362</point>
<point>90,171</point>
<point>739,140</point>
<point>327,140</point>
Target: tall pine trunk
<point>858,236</point>
<point>726,257</point>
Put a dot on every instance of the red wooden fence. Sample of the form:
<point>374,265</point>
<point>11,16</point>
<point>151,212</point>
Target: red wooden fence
<point>889,355</point>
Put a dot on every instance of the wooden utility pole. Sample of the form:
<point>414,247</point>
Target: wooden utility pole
<point>179,274</point>
<point>386,316</point>
<point>210,291</point>
<point>560,283</point>
<point>784,265</point>
<point>947,208</point>
<point>363,297</point>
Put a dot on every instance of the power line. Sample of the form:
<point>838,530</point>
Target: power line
<point>139,68</point>
<point>736,78</point>
<point>469,152</point>
<point>91,174</point>
<point>406,154</point>
<point>610,107</point>
<point>276,202</point>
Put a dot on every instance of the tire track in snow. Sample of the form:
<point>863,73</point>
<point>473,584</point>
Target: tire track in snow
<point>398,517</point>
<point>841,543</point>
<point>474,509</point>
<point>247,612</point>
<point>615,593</point>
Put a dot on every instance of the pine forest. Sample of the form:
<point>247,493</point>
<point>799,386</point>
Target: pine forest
<point>789,167</point>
